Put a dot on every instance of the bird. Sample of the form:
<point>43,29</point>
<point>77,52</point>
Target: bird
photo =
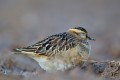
<point>60,52</point>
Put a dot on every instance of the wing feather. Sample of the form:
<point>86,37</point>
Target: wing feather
<point>47,46</point>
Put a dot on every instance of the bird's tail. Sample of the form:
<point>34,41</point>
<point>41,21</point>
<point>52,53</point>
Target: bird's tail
<point>17,50</point>
<point>20,51</point>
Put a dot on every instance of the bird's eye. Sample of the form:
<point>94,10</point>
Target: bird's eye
<point>83,35</point>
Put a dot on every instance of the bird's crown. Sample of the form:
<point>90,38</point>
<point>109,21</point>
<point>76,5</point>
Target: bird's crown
<point>81,29</point>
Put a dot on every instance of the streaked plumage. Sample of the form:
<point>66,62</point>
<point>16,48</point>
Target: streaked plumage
<point>61,51</point>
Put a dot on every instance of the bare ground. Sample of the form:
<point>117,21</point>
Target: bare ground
<point>91,70</point>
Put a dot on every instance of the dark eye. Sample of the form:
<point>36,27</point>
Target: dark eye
<point>83,35</point>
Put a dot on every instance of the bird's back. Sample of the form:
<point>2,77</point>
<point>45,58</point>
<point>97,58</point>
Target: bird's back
<point>58,42</point>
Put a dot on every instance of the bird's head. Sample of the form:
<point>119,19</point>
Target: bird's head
<point>80,33</point>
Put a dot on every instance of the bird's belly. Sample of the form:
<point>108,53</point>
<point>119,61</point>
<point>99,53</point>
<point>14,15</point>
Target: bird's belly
<point>53,65</point>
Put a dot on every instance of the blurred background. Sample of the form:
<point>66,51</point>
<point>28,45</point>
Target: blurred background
<point>25,22</point>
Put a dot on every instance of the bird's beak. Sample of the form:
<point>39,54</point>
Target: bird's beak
<point>90,38</point>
